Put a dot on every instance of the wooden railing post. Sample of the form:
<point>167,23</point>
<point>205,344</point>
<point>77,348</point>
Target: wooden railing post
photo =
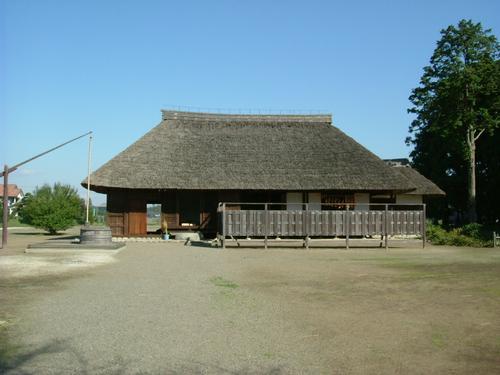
<point>307,223</point>
<point>424,226</point>
<point>386,231</point>
<point>266,220</point>
<point>347,226</point>
<point>223,225</point>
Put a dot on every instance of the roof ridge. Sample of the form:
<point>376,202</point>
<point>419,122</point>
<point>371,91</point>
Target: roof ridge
<point>207,116</point>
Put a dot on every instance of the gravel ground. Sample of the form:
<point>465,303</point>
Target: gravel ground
<point>163,309</point>
<point>167,309</point>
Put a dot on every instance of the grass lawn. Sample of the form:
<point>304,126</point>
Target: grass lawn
<point>14,222</point>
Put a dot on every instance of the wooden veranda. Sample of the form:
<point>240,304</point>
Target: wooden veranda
<point>268,220</point>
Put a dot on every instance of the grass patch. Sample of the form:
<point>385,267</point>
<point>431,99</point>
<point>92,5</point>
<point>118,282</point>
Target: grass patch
<point>14,222</point>
<point>438,340</point>
<point>268,355</point>
<point>414,276</point>
<point>223,283</point>
<point>225,295</point>
<point>493,291</point>
<point>480,277</point>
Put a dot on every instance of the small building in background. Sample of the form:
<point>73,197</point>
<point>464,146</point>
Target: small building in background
<point>424,188</point>
<point>14,194</point>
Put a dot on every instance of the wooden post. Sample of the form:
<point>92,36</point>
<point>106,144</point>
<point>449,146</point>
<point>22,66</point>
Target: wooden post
<point>386,230</point>
<point>424,226</point>
<point>347,226</point>
<point>223,225</point>
<point>89,162</point>
<point>307,223</point>
<point>5,181</point>
<point>5,203</point>
<point>265,225</point>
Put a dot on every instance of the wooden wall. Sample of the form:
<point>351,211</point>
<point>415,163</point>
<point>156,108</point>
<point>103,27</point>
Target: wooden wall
<point>117,217</point>
<point>127,214</point>
<point>127,209</point>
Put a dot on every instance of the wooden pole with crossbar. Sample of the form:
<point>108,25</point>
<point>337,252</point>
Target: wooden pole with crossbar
<point>5,175</point>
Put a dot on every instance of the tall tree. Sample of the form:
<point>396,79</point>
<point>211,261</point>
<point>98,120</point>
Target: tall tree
<point>458,101</point>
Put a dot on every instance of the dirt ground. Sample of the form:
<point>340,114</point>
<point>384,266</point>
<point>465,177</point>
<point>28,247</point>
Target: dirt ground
<point>168,308</point>
<point>15,263</point>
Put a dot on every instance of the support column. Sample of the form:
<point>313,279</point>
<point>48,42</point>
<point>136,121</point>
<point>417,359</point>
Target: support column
<point>386,227</point>
<point>347,226</point>
<point>266,222</point>
<point>424,227</point>
<point>308,224</point>
<point>223,225</point>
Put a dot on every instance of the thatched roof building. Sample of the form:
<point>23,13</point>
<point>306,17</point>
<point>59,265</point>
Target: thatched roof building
<point>423,186</point>
<point>250,152</point>
<point>191,161</point>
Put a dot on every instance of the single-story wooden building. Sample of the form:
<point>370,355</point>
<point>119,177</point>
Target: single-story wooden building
<point>424,188</point>
<point>192,161</point>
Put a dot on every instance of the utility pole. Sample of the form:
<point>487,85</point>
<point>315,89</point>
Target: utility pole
<point>7,171</point>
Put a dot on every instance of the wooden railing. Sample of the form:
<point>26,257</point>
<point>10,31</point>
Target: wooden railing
<point>352,220</point>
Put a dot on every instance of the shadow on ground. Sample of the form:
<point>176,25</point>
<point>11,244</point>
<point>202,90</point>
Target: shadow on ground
<point>14,358</point>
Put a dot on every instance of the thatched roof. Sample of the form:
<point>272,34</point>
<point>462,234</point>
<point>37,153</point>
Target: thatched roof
<point>424,186</point>
<point>250,152</point>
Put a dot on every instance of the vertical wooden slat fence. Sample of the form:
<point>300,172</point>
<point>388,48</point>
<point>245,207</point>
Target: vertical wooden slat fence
<point>271,222</point>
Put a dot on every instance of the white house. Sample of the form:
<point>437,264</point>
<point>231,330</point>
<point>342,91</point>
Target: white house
<point>14,195</point>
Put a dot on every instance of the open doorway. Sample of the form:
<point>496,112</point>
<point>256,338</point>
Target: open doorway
<point>153,211</point>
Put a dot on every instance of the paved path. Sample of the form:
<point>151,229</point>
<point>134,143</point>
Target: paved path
<point>164,309</point>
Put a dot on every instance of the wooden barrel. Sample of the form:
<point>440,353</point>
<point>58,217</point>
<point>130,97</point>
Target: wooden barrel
<point>93,235</point>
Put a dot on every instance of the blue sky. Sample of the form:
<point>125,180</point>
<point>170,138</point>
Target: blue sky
<point>67,67</point>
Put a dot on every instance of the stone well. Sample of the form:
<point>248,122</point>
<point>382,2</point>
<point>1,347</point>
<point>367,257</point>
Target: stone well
<point>95,235</point>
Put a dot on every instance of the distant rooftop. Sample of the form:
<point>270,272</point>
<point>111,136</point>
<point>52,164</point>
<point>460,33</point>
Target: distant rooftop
<point>423,185</point>
<point>12,190</point>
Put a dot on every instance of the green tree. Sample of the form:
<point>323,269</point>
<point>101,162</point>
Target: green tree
<point>52,208</point>
<point>456,103</point>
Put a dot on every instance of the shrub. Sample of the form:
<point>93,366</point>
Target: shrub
<point>474,230</point>
<point>52,208</point>
<point>473,235</point>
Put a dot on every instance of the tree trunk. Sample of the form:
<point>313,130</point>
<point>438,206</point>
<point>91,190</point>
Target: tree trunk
<point>471,186</point>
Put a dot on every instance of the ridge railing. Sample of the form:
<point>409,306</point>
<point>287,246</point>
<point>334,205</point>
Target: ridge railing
<point>321,220</point>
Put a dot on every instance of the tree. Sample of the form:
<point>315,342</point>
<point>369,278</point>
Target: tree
<point>456,104</point>
<point>52,208</point>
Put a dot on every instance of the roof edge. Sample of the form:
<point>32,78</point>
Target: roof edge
<point>206,116</point>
